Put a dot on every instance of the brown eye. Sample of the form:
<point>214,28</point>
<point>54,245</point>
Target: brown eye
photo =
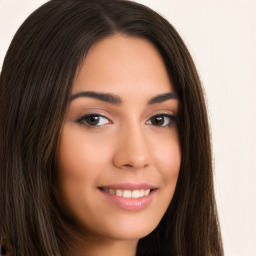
<point>161,120</point>
<point>158,120</point>
<point>93,120</point>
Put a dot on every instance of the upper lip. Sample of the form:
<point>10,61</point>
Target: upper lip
<point>130,186</point>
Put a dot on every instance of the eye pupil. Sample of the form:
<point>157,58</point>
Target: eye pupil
<point>158,120</point>
<point>92,119</point>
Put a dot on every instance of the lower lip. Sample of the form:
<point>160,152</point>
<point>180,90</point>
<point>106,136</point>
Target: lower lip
<point>131,204</point>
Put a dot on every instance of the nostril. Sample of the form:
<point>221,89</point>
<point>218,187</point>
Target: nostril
<point>128,165</point>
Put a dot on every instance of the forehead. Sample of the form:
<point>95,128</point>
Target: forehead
<point>123,64</point>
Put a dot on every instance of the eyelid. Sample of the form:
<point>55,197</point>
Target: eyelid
<point>93,111</point>
<point>163,113</point>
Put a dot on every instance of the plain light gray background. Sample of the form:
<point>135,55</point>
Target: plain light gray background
<point>221,36</point>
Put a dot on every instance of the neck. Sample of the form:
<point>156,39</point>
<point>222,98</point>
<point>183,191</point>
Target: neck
<point>103,246</point>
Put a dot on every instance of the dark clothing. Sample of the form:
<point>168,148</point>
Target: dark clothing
<point>3,250</point>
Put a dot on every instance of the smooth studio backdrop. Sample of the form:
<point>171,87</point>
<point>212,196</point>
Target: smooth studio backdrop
<point>221,36</point>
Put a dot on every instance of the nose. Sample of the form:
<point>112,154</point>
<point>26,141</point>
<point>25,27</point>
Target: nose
<point>132,150</point>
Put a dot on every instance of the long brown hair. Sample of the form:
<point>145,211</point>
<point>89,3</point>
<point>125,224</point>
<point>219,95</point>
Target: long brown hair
<point>35,86</point>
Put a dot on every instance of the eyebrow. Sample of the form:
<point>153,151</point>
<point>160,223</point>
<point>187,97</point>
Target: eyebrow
<point>116,100</point>
<point>163,97</point>
<point>106,97</point>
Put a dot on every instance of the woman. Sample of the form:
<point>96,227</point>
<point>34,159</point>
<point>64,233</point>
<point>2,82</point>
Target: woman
<point>105,145</point>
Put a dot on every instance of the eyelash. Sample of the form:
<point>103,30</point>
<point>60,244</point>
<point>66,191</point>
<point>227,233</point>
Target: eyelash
<point>82,120</point>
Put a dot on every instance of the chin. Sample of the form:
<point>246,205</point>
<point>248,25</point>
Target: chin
<point>131,228</point>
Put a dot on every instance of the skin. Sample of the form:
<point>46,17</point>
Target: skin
<point>125,146</point>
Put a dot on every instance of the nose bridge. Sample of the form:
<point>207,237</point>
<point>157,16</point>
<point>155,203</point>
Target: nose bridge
<point>132,148</point>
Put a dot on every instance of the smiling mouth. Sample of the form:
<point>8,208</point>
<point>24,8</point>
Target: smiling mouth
<point>125,193</point>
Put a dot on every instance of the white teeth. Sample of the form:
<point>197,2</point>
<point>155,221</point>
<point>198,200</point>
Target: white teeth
<point>135,193</point>
<point>128,193</point>
<point>142,192</point>
<point>112,191</point>
<point>147,192</point>
<point>119,192</point>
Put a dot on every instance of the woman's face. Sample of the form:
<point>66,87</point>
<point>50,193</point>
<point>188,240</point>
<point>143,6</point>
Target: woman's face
<point>119,152</point>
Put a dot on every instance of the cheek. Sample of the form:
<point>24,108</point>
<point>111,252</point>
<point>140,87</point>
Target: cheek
<point>80,163</point>
<point>167,159</point>
<point>79,155</point>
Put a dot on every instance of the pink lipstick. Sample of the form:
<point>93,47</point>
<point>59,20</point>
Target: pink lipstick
<point>130,196</point>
